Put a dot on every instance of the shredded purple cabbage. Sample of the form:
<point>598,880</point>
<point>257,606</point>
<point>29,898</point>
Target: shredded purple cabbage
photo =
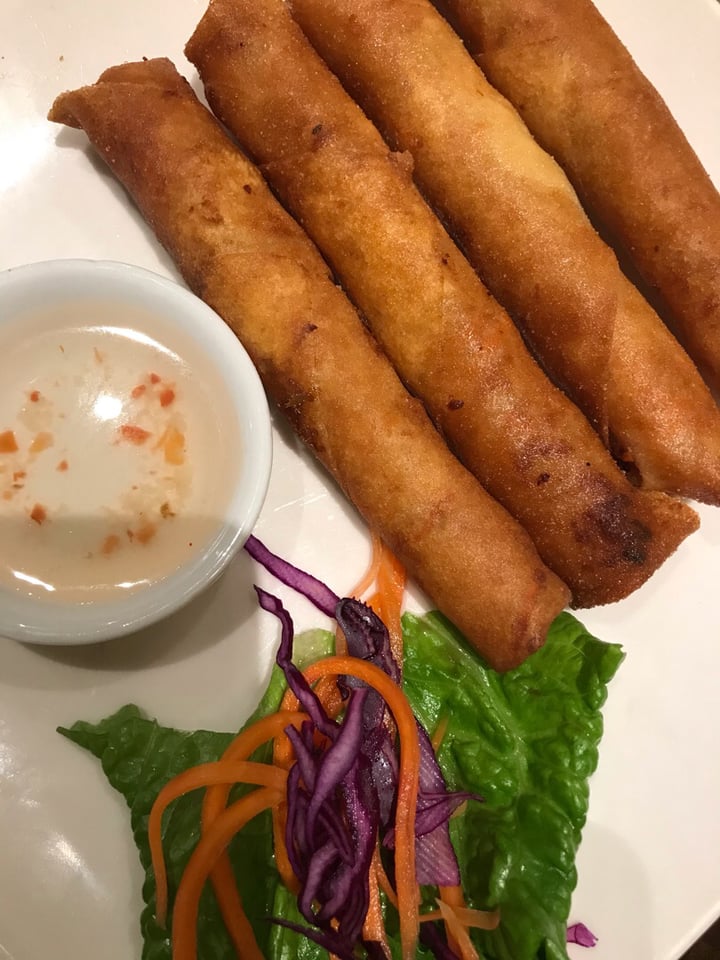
<point>341,793</point>
<point>578,933</point>
<point>312,588</point>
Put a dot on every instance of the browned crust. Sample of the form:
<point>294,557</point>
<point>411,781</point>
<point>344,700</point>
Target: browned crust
<point>585,99</point>
<point>450,341</point>
<point>248,259</point>
<point>523,228</point>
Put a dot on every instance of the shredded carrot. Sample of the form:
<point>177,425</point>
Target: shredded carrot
<point>439,732</point>
<point>238,926</point>
<point>391,581</point>
<point>245,744</point>
<point>204,775</point>
<point>361,587</point>
<point>388,575</point>
<point>328,693</point>
<point>458,936</point>
<point>374,927</point>
<point>481,919</point>
<point>459,918</point>
<point>407,789</point>
<point>384,880</point>
<point>214,803</point>
<point>220,823</point>
<point>203,859</point>
<point>468,916</point>
<point>370,575</point>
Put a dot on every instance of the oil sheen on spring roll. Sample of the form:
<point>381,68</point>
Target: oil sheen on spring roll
<point>451,342</point>
<point>523,228</point>
<point>240,251</point>
<point>586,101</point>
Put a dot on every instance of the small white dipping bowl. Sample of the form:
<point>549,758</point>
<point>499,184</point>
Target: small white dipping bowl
<point>135,449</point>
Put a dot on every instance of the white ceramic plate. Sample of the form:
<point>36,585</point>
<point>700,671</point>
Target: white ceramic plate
<point>69,876</point>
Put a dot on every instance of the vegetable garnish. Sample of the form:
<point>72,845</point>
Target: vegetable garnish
<point>579,933</point>
<point>515,850</point>
<point>344,794</point>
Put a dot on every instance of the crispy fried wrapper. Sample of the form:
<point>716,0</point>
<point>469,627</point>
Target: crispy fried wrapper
<point>522,226</point>
<point>452,344</point>
<point>249,260</point>
<point>587,102</point>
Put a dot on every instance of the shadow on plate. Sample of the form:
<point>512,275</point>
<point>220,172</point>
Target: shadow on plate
<point>206,621</point>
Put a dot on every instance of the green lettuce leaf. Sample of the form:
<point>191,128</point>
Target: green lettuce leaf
<point>527,741</point>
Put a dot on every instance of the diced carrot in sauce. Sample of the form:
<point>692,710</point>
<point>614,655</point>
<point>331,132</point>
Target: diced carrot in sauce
<point>38,513</point>
<point>167,396</point>
<point>138,391</point>
<point>62,466</point>
<point>42,441</point>
<point>8,443</point>
<point>19,475</point>
<point>173,444</point>
<point>146,532</point>
<point>34,396</point>
<point>154,378</point>
<point>110,544</point>
<point>133,434</point>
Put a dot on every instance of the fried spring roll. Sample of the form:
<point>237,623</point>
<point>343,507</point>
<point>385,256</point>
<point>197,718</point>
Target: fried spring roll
<point>450,341</point>
<point>583,97</point>
<point>249,260</point>
<point>522,226</point>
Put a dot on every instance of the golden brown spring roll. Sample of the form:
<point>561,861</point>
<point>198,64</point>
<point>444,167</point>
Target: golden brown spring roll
<point>522,226</point>
<point>240,251</point>
<point>583,97</point>
<point>450,341</point>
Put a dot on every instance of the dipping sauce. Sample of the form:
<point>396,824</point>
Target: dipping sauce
<point>119,451</point>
